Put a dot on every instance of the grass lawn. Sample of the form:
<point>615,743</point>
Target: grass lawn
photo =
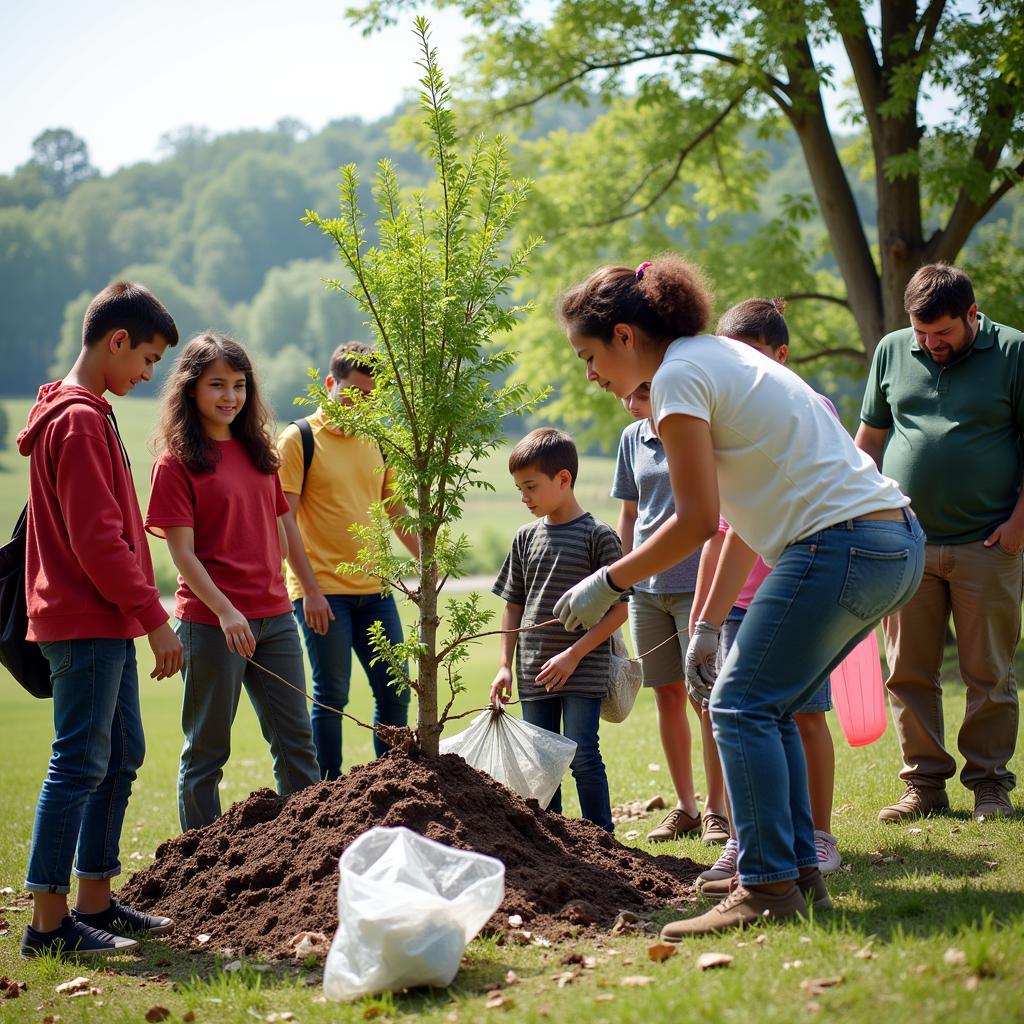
<point>904,899</point>
<point>907,895</point>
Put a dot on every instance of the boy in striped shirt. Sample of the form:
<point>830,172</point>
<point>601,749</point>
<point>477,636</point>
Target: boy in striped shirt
<point>561,676</point>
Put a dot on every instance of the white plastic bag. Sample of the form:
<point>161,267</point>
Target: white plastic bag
<point>625,677</point>
<point>407,906</point>
<point>529,760</point>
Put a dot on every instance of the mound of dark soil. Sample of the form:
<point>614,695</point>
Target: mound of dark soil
<point>269,867</point>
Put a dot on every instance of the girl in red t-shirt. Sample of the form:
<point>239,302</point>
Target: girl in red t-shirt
<point>217,500</point>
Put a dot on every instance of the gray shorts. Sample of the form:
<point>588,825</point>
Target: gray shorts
<point>819,700</point>
<point>653,621</point>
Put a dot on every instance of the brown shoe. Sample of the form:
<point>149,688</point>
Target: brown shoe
<point>741,908</point>
<point>916,802</point>
<point>811,885</point>
<point>991,800</point>
<point>713,829</point>
<point>677,823</point>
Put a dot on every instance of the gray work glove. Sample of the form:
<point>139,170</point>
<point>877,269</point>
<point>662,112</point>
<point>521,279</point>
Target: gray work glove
<point>586,604</point>
<point>702,661</point>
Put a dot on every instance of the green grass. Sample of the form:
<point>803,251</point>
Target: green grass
<point>956,884</point>
<point>953,885</point>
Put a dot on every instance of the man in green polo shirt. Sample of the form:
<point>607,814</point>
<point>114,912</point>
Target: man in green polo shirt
<point>943,415</point>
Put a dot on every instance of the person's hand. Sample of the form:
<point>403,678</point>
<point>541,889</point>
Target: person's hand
<point>586,604</point>
<point>1009,536</point>
<point>555,672</point>
<point>168,653</point>
<point>501,688</point>
<point>237,633</point>
<point>702,661</point>
<point>317,612</point>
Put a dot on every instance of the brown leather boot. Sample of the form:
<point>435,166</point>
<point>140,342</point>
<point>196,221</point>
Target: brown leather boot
<point>916,802</point>
<point>676,823</point>
<point>811,885</point>
<point>740,909</point>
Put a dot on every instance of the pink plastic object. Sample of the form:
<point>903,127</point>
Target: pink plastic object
<point>859,695</point>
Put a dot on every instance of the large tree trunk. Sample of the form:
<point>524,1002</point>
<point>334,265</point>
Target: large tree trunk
<point>835,199</point>
<point>900,233</point>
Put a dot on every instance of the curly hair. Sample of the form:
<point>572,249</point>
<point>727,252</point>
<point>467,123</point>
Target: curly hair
<point>667,298</point>
<point>759,320</point>
<point>180,430</point>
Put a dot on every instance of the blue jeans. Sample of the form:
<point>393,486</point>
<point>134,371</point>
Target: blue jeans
<point>214,678</point>
<point>820,699</point>
<point>825,594</point>
<point>330,658</point>
<point>580,717</point>
<point>98,747</point>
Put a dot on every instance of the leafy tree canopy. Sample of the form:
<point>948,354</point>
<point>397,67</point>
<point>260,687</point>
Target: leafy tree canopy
<point>692,92</point>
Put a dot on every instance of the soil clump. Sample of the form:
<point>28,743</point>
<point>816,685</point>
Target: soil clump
<point>268,868</point>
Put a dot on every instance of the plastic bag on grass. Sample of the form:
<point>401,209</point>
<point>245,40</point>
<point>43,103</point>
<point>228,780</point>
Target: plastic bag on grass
<point>529,760</point>
<point>407,906</point>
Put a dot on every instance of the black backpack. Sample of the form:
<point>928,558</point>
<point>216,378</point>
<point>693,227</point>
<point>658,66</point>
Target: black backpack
<point>306,434</point>
<point>20,656</point>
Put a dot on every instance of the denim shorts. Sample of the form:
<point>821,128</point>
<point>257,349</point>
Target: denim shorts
<point>819,701</point>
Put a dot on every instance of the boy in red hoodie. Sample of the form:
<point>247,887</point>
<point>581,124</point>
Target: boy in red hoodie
<point>90,592</point>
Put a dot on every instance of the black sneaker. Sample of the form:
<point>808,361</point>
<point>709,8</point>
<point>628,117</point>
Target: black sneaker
<point>73,938</point>
<point>122,920</point>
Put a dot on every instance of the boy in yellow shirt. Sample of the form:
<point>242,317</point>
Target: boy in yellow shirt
<point>335,611</point>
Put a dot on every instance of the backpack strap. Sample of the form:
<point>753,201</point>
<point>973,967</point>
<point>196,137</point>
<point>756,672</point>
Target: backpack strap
<point>306,434</point>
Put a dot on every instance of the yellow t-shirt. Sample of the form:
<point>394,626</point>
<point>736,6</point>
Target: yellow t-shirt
<point>345,477</point>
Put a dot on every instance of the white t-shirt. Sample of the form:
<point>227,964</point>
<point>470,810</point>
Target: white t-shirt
<point>786,467</point>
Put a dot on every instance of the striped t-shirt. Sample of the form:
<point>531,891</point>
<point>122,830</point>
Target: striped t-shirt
<point>545,561</point>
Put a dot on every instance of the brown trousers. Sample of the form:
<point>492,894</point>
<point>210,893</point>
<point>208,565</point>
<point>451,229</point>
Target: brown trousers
<point>983,588</point>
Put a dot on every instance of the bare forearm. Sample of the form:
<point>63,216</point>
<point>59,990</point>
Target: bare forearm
<point>673,541</point>
<point>627,529</point>
<point>871,441</point>
<point>597,635</point>
<point>282,536</point>
<point>297,557</point>
<point>733,569</point>
<point>511,619</point>
<point>194,573</point>
<point>410,541</point>
<point>709,557</point>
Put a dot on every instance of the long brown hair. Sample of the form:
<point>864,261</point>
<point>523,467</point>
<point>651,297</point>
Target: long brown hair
<point>180,430</point>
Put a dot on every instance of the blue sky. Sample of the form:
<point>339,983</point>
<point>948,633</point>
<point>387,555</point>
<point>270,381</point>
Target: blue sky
<point>121,73</point>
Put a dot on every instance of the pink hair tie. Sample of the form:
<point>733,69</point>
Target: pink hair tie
<point>640,270</point>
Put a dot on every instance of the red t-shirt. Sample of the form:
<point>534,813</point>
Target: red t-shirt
<point>233,512</point>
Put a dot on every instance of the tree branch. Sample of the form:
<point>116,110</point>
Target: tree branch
<point>775,88</point>
<point>867,72</point>
<point>845,351</point>
<point>948,241</point>
<point>929,22</point>
<point>819,297</point>
<point>707,131</point>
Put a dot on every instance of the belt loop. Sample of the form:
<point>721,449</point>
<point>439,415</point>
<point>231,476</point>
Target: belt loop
<point>848,524</point>
<point>906,516</point>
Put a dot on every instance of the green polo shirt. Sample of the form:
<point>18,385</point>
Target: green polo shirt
<point>954,442</point>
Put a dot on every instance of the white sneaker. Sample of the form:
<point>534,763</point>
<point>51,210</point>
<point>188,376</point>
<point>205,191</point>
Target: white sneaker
<point>828,853</point>
<point>725,866</point>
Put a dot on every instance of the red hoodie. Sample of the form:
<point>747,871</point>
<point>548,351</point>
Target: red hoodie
<point>88,573</point>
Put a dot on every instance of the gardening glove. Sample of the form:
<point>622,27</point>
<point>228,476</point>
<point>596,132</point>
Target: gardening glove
<point>586,604</point>
<point>702,661</point>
